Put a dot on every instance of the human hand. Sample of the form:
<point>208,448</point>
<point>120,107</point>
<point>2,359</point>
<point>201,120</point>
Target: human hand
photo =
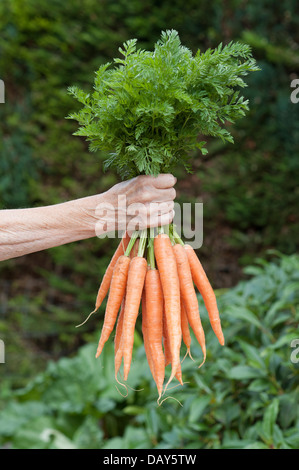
<point>138,203</point>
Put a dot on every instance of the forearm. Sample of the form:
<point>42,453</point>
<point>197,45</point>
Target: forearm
<point>24,231</point>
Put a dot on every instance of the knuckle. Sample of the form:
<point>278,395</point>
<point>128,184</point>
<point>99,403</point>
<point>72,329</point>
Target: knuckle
<point>145,194</point>
<point>173,193</point>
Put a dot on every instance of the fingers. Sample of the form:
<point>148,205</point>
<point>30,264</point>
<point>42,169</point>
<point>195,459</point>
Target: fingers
<point>164,219</point>
<point>155,189</point>
<point>156,195</point>
<point>150,215</point>
<point>163,181</point>
<point>145,201</point>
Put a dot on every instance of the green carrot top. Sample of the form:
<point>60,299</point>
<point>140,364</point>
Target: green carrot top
<point>148,108</point>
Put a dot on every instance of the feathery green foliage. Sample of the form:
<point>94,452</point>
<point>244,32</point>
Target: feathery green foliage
<point>149,108</point>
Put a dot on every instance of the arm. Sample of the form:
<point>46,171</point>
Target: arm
<point>24,231</point>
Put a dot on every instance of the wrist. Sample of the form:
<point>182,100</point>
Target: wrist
<point>83,214</point>
<point>95,214</point>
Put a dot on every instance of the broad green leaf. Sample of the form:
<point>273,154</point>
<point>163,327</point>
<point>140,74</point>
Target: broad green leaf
<point>292,439</point>
<point>41,434</point>
<point>259,385</point>
<point>283,341</point>
<point>253,355</point>
<point>243,313</point>
<point>288,410</point>
<point>16,415</point>
<point>114,443</point>
<point>134,410</point>
<point>256,445</point>
<point>244,372</point>
<point>89,434</point>
<point>104,404</point>
<point>269,419</point>
<point>198,407</point>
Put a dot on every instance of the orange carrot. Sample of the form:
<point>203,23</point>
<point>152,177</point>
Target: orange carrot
<point>167,353</point>
<point>135,284</point>
<point>188,295</point>
<point>154,316</point>
<point>203,285</point>
<point>116,294</point>
<point>106,281</point>
<point>145,336</point>
<point>185,328</point>
<point>119,327</point>
<point>117,338</point>
<point>171,291</point>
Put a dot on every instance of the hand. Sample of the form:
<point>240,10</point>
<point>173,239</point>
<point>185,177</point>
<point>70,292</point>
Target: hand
<point>141,202</point>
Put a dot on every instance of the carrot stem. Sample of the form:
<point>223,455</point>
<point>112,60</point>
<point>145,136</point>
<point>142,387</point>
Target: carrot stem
<point>166,229</point>
<point>142,243</point>
<point>151,253</point>
<point>134,237</point>
<point>177,239</point>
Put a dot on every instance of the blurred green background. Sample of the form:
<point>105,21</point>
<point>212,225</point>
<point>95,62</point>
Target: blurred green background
<point>53,393</point>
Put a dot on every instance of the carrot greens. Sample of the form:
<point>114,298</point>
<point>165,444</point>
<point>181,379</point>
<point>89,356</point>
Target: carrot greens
<point>148,108</point>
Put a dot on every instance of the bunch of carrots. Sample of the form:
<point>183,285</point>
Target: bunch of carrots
<point>155,272</point>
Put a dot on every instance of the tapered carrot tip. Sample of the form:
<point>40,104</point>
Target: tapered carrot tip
<point>218,332</point>
<point>98,353</point>
<point>221,339</point>
<point>203,285</point>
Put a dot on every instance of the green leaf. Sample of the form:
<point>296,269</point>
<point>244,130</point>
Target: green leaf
<point>243,372</point>
<point>198,407</point>
<point>16,415</point>
<point>245,314</point>
<point>256,445</point>
<point>134,410</point>
<point>253,355</point>
<point>259,385</point>
<point>269,419</point>
<point>41,433</point>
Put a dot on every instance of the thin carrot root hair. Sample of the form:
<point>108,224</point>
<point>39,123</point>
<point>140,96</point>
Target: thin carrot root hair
<point>135,389</point>
<point>86,319</point>
<point>166,398</point>
<point>126,384</point>
<point>123,385</point>
<point>175,386</point>
<point>204,359</point>
<point>188,353</point>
